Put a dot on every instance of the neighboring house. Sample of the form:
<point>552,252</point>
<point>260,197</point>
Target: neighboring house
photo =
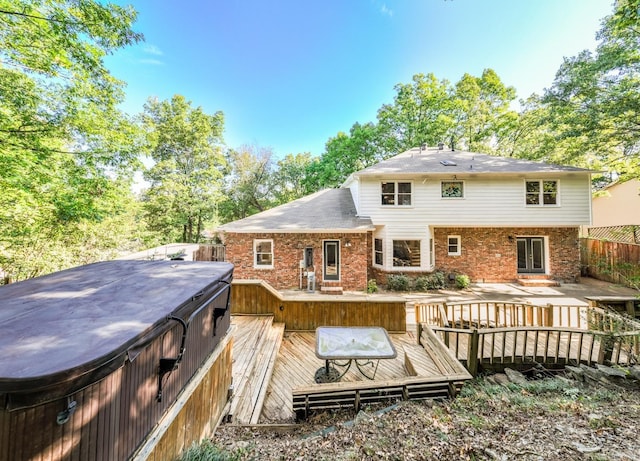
<point>617,205</point>
<point>495,219</point>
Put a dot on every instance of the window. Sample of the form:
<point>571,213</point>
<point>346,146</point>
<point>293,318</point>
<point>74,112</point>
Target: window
<point>377,250</point>
<point>453,245</point>
<point>396,193</point>
<point>452,189</point>
<point>541,192</point>
<point>263,254</point>
<point>406,253</point>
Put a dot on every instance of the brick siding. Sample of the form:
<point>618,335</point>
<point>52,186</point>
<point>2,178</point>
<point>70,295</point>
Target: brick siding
<point>288,250</point>
<point>490,254</point>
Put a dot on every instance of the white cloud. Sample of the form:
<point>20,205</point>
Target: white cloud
<point>386,10</point>
<point>152,49</point>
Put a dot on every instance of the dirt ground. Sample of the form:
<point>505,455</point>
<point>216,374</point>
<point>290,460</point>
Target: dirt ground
<point>550,419</point>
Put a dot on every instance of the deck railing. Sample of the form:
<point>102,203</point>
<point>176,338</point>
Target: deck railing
<point>501,314</point>
<point>491,333</point>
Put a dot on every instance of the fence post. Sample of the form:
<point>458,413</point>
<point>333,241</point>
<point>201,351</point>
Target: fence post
<point>472,355</point>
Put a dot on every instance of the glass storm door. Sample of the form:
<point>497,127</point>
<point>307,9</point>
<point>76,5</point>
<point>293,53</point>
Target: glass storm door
<point>331,250</point>
<point>530,255</point>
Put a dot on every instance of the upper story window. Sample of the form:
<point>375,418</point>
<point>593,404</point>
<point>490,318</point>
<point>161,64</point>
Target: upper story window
<point>396,193</point>
<point>452,189</point>
<point>263,254</point>
<point>541,192</point>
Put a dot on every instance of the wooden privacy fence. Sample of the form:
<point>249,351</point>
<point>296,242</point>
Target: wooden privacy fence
<point>307,312</point>
<point>611,261</point>
<point>209,253</point>
<point>491,335</point>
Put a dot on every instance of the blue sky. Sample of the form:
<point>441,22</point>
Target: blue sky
<point>290,74</point>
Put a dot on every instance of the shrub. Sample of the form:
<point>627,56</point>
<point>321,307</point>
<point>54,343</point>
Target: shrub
<point>435,281</point>
<point>372,286</point>
<point>462,281</point>
<point>421,283</point>
<point>398,282</point>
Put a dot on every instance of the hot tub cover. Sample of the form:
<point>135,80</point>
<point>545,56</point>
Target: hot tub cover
<point>73,322</point>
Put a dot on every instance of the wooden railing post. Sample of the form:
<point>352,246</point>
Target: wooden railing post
<point>472,356</point>
<point>547,320</point>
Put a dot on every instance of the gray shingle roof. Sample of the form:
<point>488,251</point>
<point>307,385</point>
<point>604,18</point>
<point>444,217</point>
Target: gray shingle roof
<point>326,210</point>
<point>428,161</point>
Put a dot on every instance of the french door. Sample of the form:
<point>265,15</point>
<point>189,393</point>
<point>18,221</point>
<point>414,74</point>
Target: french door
<point>331,259</point>
<point>530,255</point>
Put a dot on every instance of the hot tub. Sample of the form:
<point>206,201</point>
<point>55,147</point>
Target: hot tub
<point>92,357</point>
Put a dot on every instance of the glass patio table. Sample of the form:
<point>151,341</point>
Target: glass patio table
<point>344,346</point>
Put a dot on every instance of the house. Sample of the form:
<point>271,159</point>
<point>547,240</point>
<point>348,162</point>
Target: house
<point>494,219</point>
<point>617,205</point>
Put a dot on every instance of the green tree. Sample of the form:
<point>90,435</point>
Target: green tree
<point>288,178</point>
<point>66,151</point>
<point>481,113</point>
<point>186,145</point>
<point>248,183</point>
<point>595,98</point>
<point>421,113</point>
<point>344,154</point>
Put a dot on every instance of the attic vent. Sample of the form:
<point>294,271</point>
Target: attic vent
<point>448,163</point>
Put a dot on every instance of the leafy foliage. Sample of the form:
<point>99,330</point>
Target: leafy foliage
<point>462,281</point>
<point>66,152</point>
<point>186,179</point>
<point>398,282</point>
<point>473,114</point>
<point>434,281</point>
<point>595,97</point>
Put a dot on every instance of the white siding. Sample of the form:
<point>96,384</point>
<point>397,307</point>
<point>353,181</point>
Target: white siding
<point>488,201</point>
<point>354,187</point>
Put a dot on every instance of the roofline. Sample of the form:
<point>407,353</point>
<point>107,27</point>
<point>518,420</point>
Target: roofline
<point>473,173</point>
<point>297,231</point>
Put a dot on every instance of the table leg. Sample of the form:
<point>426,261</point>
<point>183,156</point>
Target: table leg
<point>368,362</point>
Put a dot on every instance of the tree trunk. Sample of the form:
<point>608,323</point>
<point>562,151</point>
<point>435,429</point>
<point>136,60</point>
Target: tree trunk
<point>190,229</point>
<point>199,228</point>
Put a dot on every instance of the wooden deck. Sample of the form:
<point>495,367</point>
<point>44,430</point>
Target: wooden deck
<point>488,335</point>
<point>269,364</point>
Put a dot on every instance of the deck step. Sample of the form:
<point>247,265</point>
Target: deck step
<point>416,360</point>
<point>246,403</point>
<point>331,290</point>
<point>537,282</point>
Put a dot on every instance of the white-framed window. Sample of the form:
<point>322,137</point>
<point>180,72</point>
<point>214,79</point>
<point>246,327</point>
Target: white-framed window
<point>378,254</point>
<point>263,254</point>
<point>406,253</point>
<point>540,193</point>
<point>454,248</point>
<point>396,193</point>
<point>452,189</point>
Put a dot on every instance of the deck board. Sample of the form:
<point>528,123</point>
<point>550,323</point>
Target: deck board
<point>297,363</point>
<point>295,366</point>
